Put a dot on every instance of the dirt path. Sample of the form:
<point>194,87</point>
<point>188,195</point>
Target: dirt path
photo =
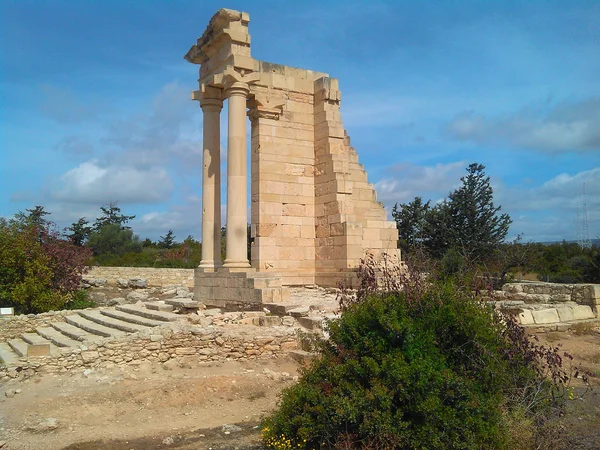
<point>148,403</point>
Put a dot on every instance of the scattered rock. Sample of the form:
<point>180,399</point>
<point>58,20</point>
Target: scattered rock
<point>182,292</point>
<point>122,283</point>
<point>116,301</point>
<point>137,296</point>
<point>230,428</point>
<point>44,426</point>
<point>93,282</point>
<point>138,283</point>
<point>10,393</point>
<point>288,321</point>
<point>301,311</point>
<point>168,440</point>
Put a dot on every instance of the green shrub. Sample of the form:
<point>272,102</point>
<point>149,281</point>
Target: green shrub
<point>79,300</point>
<point>39,271</point>
<point>436,370</point>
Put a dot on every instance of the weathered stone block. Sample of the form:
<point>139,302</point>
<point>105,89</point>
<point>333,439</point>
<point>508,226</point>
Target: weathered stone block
<point>544,316</point>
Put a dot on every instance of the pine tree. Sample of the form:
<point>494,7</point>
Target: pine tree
<point>111,214</point>
<point>80,231</point>
<point>476,225</point>
<point>410,218</point>
<point>167,240</point>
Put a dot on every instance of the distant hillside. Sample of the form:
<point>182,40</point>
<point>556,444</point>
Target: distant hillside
<point>595,242</point>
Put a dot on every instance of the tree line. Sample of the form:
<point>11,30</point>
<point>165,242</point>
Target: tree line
<point>467,230</point>
<point>113,243</point>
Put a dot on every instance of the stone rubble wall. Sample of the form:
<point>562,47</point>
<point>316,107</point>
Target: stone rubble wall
<point>551,306</point>
<point>167,346</point>
<point>13,326</point>
<point>156,277</point>
<point>582,294</point>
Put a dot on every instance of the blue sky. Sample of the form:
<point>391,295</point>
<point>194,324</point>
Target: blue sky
<point>94,102</point>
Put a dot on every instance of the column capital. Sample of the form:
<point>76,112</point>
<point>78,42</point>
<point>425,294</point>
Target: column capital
<point>265,107</point>
<point>210,98</point>
<point>238,88</point>
<point>211,104</point>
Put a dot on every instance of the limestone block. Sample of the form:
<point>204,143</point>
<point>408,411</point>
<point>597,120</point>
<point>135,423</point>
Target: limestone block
<point>337,229</point>
<point>565,313</point>
<point>38,349</point>
<point>543,316</point>
<point>559,298</point>
<point>593,294</point>
<point>525,317</point>
<point>582,312</point>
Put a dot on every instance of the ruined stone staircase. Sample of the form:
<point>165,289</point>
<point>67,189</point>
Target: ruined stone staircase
<point>88,327</point>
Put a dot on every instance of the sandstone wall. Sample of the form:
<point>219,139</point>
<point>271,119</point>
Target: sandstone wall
<point>314,213</point>
<point>157,277</point>
<point>203,344</point>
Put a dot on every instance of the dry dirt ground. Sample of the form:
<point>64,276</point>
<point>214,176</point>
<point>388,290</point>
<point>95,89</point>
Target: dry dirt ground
<point>193,407</point>
<point>143,407</point>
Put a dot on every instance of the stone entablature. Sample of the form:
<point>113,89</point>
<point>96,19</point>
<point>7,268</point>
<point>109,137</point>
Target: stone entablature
<point>314,214</point>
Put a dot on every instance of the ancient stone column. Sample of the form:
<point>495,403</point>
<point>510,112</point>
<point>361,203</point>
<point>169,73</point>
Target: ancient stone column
<point>237,198</point>
<point>211,183</point>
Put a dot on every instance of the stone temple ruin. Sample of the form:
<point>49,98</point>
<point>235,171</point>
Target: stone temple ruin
<point>314,214</point>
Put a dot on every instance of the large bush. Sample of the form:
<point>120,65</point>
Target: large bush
<point>39,271</point>
<point>431,368</point>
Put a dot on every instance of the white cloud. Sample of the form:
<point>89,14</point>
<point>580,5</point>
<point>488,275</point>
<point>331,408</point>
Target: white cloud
<point>94,183</point>
<point>184,220</point>
<point>546,211</point>
<point>403,182</point>
<point>562,193</point>
<point>568,126</point>
<point>550,211</point>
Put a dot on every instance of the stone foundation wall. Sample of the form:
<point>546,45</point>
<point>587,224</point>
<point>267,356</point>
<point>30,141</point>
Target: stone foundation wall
<point>582,294</point>
<point>239,291</point>
<point>14,326</point>
<point>155,276</point>
<point>166,346</point>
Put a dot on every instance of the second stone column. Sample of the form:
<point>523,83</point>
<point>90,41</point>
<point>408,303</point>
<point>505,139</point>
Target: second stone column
<point>211,181</point>
<point>237,192</point>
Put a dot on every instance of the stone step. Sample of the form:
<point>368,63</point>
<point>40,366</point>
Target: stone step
<point>132,318</point>
<point>111,322</point>
<point>148,313</point>
<point>34,339</point>
<point>159,306</point>
<point>56,337</point>
<point>184,303</point>
<point>93,327</point>
<point>302,357</point>
<point>311,323</point>
<point>73,332</point>
<point>7,355</point>
<point>18,346</point>
<point>38,345</point>
<point>279,309</point>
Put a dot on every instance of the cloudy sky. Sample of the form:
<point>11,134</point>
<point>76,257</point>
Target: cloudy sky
<point>94,102</point>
